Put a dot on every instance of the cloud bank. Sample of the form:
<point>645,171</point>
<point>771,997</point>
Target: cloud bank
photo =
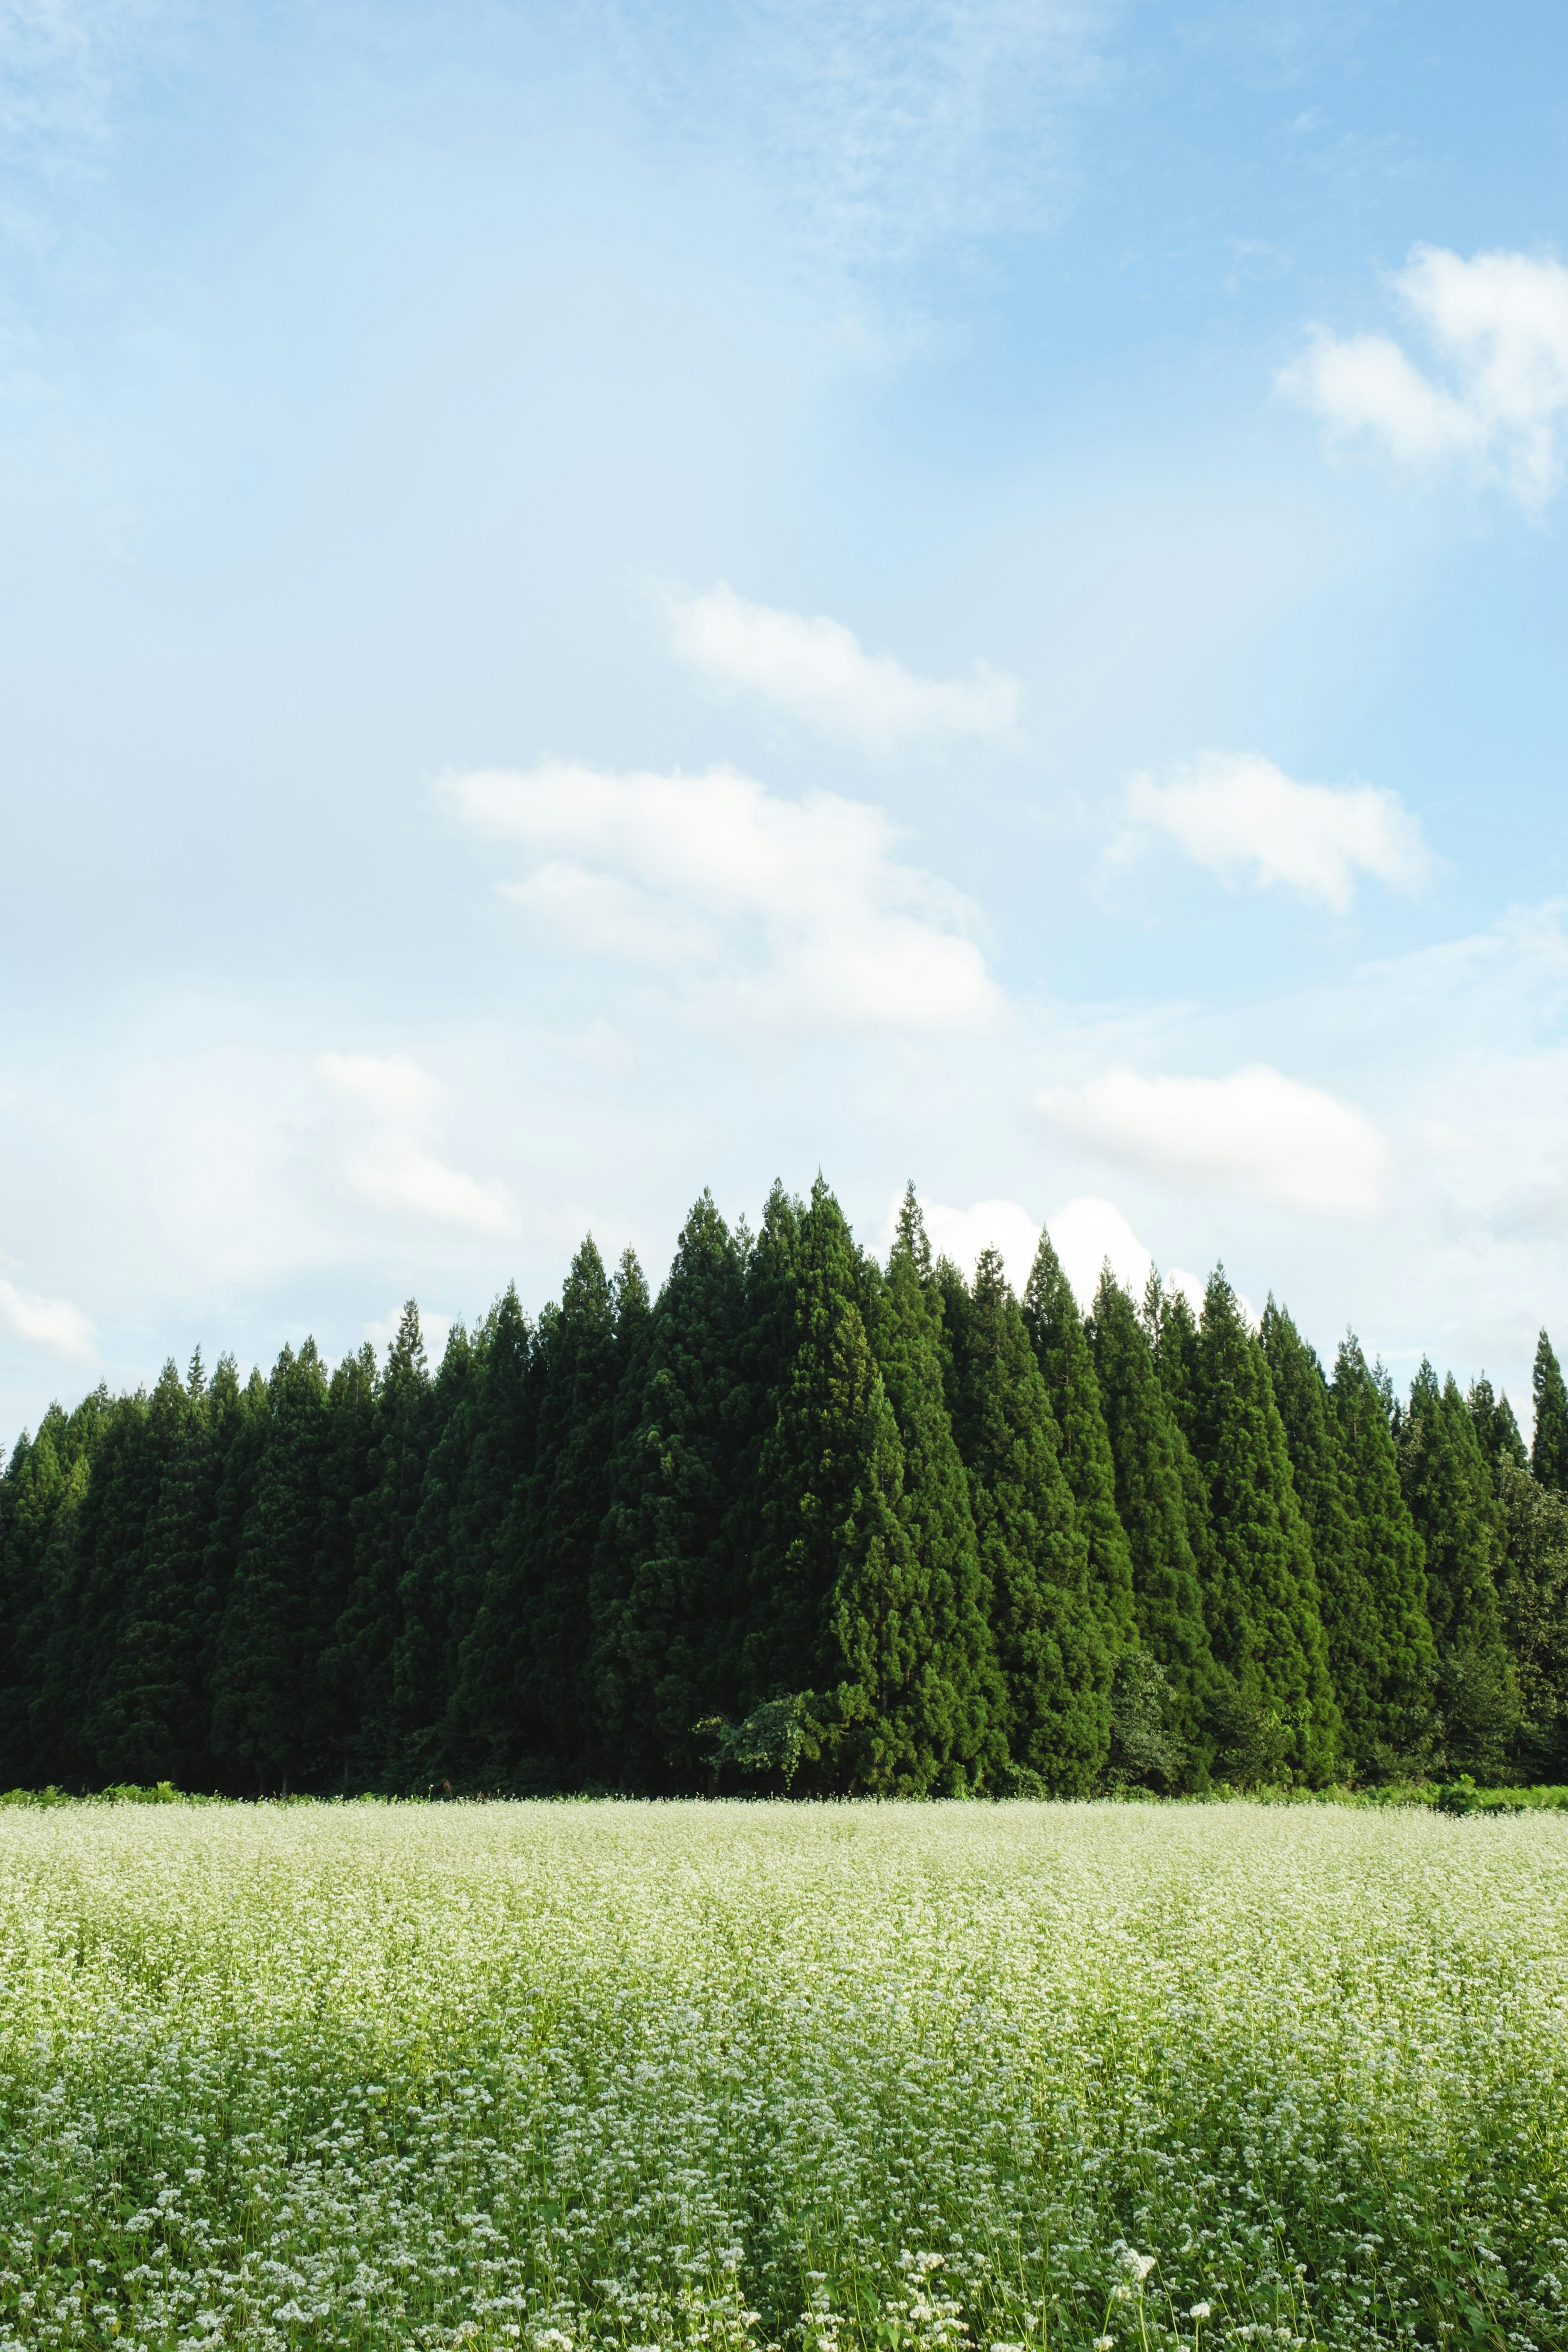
<point>51,1325</point>
<point>1497,328</point>
<point>1237,813</point>
<point>815,670</point>
<point>790,917</point>
<point>385,1162</point>
<point>1255,1134</point>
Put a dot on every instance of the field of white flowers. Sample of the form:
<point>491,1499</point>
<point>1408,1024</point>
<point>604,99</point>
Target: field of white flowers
<point>946,2076</point>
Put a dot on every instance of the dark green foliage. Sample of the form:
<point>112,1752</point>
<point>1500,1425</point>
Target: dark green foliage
<point>147,1706</point>
<point>1384,1662</point>
<point>360,1661</point>
<point>963,1694</point>
<point>1158,1493</point>
<point>1448,1483</point>
<point>1549,1450</point>
<point>803,1524</point>
<point>1052,1645</point>
<point>1145,1753</point>
<point>1254,1746</point>
<point>1055,1329</point>
<point>525,1667</point>
<point>94,1579</point>
<point>1364,1548</point>
<point>667,1597</point>
<point>1532,1597</point>
<point>40,1501</point>
<point>423,1647</point>
<point>1261,1601</point>
<point>267,1726</point>
<point>1496,1425</point>
<point>850,1599</point>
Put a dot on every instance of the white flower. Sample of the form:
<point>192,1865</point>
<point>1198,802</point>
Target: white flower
<point>1104,2343</point>
<point>1200,2310</point>
<point>1138,2266</point>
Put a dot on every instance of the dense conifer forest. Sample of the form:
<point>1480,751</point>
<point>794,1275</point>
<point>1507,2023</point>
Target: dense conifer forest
<point>799,1522</point>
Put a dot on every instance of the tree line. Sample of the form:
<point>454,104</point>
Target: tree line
<point>801,1521</point>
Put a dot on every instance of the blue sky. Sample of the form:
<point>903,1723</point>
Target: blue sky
<point>604,599</point>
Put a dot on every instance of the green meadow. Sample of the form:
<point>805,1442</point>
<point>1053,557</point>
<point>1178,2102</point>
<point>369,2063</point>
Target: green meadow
<point>818,2078</point>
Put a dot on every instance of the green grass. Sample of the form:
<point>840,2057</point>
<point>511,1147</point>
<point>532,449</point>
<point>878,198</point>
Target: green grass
<point>812,2076</point>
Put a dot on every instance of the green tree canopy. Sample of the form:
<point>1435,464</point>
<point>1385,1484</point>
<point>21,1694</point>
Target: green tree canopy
<point>1056,1655</point>
<point>1262,1607</point>
<point>1549,1450</point>
<point>1055,1329</point>
<point>1448,1483</point>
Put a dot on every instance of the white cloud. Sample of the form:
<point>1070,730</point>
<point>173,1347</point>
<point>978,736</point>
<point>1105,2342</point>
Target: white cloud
<point>53,1325</point>
<point>783,916</point>
<point>1256,1133</point>
<point>962,1234</point>
<point>815,669</point>
<point>1231,812</point>
<point>390,1083</point>
<point>390,1168</point>
<point>1087,1232</point>
<point>1497,328</point>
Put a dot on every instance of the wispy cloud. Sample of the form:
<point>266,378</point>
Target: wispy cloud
<point>1086,1235</point>
<point>792,916</point>
<point>51,1325</point>
<point>1497,328</point>
<point>1237,813</point>
<point>962,1234</point>
<point>1256,1133</point>
<point>886,133</point>
<point>385,1161</point>
<point>815,669</point>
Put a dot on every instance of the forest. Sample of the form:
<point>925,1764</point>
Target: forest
<point>802,1522</point>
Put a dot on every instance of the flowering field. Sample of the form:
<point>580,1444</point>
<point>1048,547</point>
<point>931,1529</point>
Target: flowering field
<point>813,2076</point>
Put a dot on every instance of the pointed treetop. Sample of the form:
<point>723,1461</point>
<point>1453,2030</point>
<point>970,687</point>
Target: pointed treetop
<point>1496,1426</point>
<point>630,1287</point>
<point>1549,1454</point>
<point>1051,1310</point>
<point>407,1353</point>
<point>911,1239</point>
<point>196,1379</point>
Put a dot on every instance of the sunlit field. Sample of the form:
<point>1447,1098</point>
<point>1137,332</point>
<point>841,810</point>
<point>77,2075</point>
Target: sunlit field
<point>1020,2075</point>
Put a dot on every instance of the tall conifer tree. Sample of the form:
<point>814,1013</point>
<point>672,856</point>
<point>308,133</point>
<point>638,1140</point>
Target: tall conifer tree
<point>505,1412</point>
<point>420,1687</point>
<point>41,1497</point>
<point>1263,1613</point>
<point>838,1610</point>
<point>1448,1486</point>
<point>1549,1450</point>
<point>92,1589</point>
<point>360,1658</point>
<point>267,1730</point>
<point>1055,1329</point>
<point>963,1702</point>
<point>527,1662</point>
<point>1358,1659</point>
<point>148,1707</point>
<point>1496,1425</point>
<point>1155,1473</point>
<point>1053,1646</point>
<point>667,1594</point>
<point>1532,1597</point>
<point>1388,1678</point>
